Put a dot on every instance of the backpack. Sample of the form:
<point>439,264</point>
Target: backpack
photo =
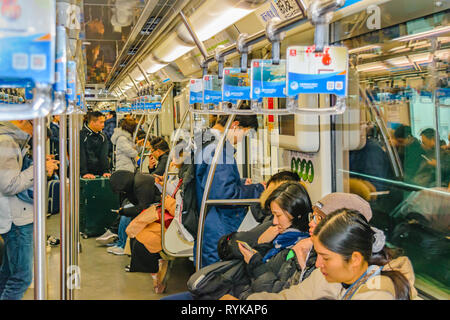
<point>218,279</point>
<point>191,209</point>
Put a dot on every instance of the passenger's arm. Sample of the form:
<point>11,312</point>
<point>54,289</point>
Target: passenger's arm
<point>83,160</point>
<point>104,163</point>
<point>225,186</point>
<point>312,288</point>
<point>269,235</point>
<point>12,179</point>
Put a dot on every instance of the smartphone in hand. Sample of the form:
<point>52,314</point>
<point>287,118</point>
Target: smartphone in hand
<point>245,245</point>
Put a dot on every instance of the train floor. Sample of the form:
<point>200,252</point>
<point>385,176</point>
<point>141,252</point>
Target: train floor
<point>103,276</point>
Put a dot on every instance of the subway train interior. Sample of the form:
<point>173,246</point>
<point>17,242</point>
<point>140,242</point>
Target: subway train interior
<point>351,96</point>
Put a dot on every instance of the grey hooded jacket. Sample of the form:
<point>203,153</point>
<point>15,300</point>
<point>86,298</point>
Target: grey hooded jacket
<point>125,151</point>
<point>12,179</point>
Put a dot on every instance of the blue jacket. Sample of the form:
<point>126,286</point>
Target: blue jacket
<point>227,184</point>
<point>110,125</point>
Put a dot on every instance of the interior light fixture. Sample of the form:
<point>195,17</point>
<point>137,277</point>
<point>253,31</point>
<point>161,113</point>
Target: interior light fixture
<point>365,48</point>
<point>425,34</point>
<point>369,67</point>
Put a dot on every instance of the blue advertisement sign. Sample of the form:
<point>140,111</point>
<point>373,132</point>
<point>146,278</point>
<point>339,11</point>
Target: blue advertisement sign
<point>196,91</point>
<point>268,80</point>
<point>310,72</point>
<point>61,60</point>
<point>27,40</point>
<point>236,85</point>
<point>71,80</point>
<point>212,89</point>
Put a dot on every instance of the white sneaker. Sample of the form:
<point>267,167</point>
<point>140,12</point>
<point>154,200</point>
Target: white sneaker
<point>116,250</point>
<point>107,238</point>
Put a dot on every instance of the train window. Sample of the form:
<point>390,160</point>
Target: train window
<point>286,124</point>
<point>404,168</point>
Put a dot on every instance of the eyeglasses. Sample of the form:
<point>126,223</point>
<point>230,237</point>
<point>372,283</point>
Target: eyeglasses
<point>315,217</point>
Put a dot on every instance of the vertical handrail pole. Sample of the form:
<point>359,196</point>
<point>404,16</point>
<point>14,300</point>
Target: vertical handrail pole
<point>39,208</point>
<point>209,180</point>
<point>145,141</point>
<point>166,176</point>
<point>63,204</point>
<point>76,226</point>
<point>435,99</point>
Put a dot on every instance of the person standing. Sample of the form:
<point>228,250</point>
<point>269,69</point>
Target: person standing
<point>16,207</point>
<point>94,147</point>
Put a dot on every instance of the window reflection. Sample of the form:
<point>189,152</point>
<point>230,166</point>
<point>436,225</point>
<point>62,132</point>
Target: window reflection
<point>404,167</point>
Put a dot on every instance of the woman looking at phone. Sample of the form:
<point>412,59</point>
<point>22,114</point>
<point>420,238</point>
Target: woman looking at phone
<point>290,205</point>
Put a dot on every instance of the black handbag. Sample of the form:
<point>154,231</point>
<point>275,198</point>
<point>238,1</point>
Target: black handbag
<point>220,278</point>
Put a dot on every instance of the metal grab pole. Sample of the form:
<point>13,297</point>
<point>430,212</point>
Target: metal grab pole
<point>209,180</point>
<point>63,204</point>
<point>40,214</point>
<point>145,140</point>
<point>166,176</point>
<point>74,194</point>
<point>76,225</point>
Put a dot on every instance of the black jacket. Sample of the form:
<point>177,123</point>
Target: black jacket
<point>161,167</point>
<point>93,152</point>
<point>138,188</point>
<point>277,274</point>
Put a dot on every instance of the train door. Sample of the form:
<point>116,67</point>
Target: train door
<point>399,62</point>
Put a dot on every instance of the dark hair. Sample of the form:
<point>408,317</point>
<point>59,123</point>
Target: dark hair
<point>113,113</point>
<point>345,231</point>
<point>245,121</point>
<point>93,116</point>
<point>128,125</point>
<point>283,176</point>
<point>293,198</point>
<point>430,133</point>
<point>402,132</point>
<point>159,143</point>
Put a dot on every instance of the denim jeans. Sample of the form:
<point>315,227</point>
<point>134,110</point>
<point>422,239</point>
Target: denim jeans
<point>186,295</point>
<point>16,271</point>
<point>123,224</point>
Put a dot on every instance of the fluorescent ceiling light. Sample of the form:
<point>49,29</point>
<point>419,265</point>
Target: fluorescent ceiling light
<point>369,67</point>
<point>365,48</point>
<point>215,22</point>
<point>426,34</point>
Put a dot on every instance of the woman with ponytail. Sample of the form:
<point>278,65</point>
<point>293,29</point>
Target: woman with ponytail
<point>353,263</point>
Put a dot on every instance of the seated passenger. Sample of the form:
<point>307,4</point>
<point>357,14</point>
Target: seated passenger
<point>228,247</point>
<point>139,189</point>
<point>409,151</point>
<point>126,152</point>
<point>290,206</point>
<point>227,184</point>
<point>145,231</point>
<point>159,156</point>
<point>426,173</point>
<point>352,264</point>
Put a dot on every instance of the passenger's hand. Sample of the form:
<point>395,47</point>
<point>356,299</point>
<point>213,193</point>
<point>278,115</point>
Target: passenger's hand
<point>432,163</point>
<point>228,297</point>
<point>107,175</point>
<point>301,250</point>
<point>264,185</point>
<point>151,162</point>
<point>159,179</point>
<point>51,166</point>
<point>248,254</point>
<point>248,181</point>
<point>88,176</point>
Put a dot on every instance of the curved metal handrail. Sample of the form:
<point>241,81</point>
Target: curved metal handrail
<point>145,141</point>
<point>164,191</point>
